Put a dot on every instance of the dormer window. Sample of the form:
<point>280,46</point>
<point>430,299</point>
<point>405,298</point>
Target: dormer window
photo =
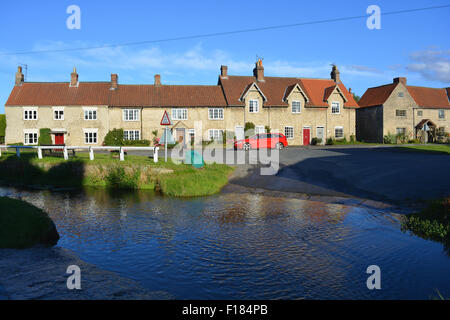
<point>253,106</point>
<point>335,107</point>
<point>296,106</point>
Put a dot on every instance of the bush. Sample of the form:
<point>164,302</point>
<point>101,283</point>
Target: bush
<point>249,129</point>
<point>316,141</point>
<point>414,141</point>
<point>44,137</point>
<point>352,138</point>
<point>2,125</point>
<point>267,128</point>
<point>117,178</point>
<point>389,138</point>
<point>136,143</point>
<point>432,223</point>
<point>330,141</point>
<point>114,138</point>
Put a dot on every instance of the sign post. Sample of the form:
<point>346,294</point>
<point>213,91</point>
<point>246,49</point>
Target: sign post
<point>165,121</point>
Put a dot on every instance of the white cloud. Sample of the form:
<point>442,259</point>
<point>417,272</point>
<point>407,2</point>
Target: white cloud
<point>431,64</point>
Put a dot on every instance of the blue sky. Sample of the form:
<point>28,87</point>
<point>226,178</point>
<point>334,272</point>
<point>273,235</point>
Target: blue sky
<point>415,45</point>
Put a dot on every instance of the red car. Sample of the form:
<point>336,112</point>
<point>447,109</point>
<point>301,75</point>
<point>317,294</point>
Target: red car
<point>262,140</point>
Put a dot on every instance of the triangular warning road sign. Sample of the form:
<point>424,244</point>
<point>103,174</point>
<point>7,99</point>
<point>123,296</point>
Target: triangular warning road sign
<point>165,121</point>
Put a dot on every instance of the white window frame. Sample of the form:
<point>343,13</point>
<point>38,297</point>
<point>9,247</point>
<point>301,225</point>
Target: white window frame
<point>443,114</point>
<point>179,114</point>
<point>334,103</point>
<point>26,138</point>
<point>339,127</point>
<point>87,110</point>
<point>260,129</point>
<point>402,129</point>
<point>33,111</point>
<point>58,109</point>
<point>90,130</point>
<point>299,107</point>
<point>398,111</point>
<point>191,133</point>
<point>135,135</point>
<point>213,136</point>
<point>293,132</point>
<point>131,114</point>
<point>212,114</point>
<point>253,104</point>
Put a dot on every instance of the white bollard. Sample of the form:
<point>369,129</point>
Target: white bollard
<point>121,155</point>
<point>91,153</point>
<point>155,154</point>
<point>39,153</point>
<point>66,154</point>
<point>18,152</point>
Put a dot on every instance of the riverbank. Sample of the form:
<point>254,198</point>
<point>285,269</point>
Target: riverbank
<point>431,223</point>
<point>23,225</point>
<point>136,172</point>
<point>40,273</point>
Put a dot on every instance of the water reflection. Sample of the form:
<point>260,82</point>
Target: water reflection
<point>244,245</point>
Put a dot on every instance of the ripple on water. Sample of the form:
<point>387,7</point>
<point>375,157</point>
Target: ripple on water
<point>244,245</point>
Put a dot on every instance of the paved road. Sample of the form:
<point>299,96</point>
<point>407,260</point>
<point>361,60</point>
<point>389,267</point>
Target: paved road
<point>380,173</point>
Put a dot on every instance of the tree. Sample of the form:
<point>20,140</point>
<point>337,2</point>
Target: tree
<point>356,97</point>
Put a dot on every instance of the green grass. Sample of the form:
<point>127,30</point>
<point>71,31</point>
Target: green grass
<point>136,172</point>
<point>431,223</point>
<point>23,225</point>
<point>430,148</point>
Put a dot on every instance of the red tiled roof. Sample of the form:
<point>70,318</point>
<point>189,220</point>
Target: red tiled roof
<point>429,97</point>
<point>275,90</point>
<point>423,96</point>
<point>59,94</point>
<point>228,92</point>
<point>99,93</point>
<point>376,96</point>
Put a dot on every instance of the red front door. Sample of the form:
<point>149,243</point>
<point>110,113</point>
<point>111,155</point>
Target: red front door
<point>306,136</point>
<point>59,138</point>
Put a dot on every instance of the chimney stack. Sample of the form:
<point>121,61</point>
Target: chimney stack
<point>224,71</point>
<point>335,74</point>
<point>19,76</point>
<point>157,80</point>
<point>258,72</point>
<point>400,80</point>
<point>114,81</point>
<point>74,78</point>
<point>350,90</point>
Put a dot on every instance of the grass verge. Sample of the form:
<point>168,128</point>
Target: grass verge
<point>431,148</point>
<point>23,225</point>
<point>432,223</point>
<point>136,172</point>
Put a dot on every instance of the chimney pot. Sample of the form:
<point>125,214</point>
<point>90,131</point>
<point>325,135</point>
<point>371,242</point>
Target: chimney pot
<point>19,76</point>
<point>114,81</point>
<point>400,80</point>
<point>335,74</point>
<point>157,80</point>
<point>224,71</point>
<point>74,78</point>
<point>258,72</point>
